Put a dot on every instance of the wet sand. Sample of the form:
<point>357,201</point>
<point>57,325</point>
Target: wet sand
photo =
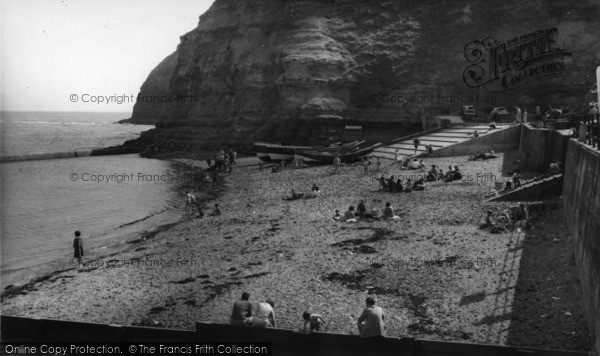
<point>433,271</point>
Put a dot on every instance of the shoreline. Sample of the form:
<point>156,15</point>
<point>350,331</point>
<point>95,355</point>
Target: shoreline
<point>119,240</point>
<point>292,252</point>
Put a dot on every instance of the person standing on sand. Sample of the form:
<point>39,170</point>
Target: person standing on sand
<point>78,247</point>
<point>189,202</point>
<point>336,163</point>
<point>371,322</point>
<point>242,311</point>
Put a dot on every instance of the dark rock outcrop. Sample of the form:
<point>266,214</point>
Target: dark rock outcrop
<point>298,71</point>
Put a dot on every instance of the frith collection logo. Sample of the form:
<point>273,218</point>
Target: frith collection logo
<point>514,63</point>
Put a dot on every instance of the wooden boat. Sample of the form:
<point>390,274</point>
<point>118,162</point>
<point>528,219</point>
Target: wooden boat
<point>349,156</point>
<point>268,152</point>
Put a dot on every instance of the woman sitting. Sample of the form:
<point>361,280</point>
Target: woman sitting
<point>418,185</point>
<point>388,212</point>
<point>391,183</point>
<point>408,187</point>
<point>398,186</point>
<point>432,175</point>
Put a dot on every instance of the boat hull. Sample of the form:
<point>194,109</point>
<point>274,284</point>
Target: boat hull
<point>345,157</point>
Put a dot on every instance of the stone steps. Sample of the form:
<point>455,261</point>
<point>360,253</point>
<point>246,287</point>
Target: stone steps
<point>437,140</point>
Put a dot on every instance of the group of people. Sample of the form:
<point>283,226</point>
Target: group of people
<point>191,202</point>
<point>262,315</point>
<point>314,192</point>
<point>506,219</point>
<point>224,160</point>
<point>361,212</point>
<point>435,174</point>
<point>393,184</point>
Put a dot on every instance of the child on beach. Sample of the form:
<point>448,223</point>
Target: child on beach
<point>337,215</point>
<point>217,211</point>
<point>314,320</point>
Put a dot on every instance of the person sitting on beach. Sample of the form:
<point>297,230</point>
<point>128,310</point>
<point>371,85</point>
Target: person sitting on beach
<point>337,215</point>
<point>477,156</point>
<point>440,174</point>
<point>429,149</point>
<point>422,166</point>
<point>296,195</point>
<point>406,164</point>
<point>361,209</point>
<point>414,164</point>
<point>490,154</point>
<point>217,211</point>
<point>408,187</point>
<point>516,177</point>
<point>390,183</point>
<point>375,213</point>
<point>313,320</point>
<point>521,212</point>
<point>492,125</point>
<point>371,322</point>
<point>349,215</point>
<point>265,315</point>
<point>315,189</point>
<point>242,311</point>
<point>418,185</point>
<point>475,134</point>
<point>449,175</point>
<point>457,173</point>
<point>432,175</point>
<point>487,221</point>
<point>388,212</point>
<point>383,183</point>
<point>398,185</point>
<point>554,169</point>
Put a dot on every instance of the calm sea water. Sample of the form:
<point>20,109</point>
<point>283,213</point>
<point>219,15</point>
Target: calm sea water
<point>109,198</point>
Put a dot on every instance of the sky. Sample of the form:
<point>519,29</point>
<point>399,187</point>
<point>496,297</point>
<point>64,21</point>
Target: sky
<point>56,54</point>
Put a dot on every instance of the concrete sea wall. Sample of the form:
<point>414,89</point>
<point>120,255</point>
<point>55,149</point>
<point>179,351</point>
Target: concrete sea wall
<point>499,141</point>
<point>19,330</point>
<point>581,198</point>
<point>540,147</point>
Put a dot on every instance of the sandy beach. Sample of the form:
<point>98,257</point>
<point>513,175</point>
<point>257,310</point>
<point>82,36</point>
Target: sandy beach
<point>436,275</point>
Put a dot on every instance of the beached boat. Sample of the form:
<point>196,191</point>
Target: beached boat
<point>325,157</point>
<point>268,152</point>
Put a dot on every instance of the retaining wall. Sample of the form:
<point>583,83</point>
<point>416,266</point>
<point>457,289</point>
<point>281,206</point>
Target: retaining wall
<point>500,141</point>
<point>285,342</point>
<point>540,147</point>
<point>581,198</point>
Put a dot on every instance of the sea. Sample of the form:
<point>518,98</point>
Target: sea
<point>112,200</point>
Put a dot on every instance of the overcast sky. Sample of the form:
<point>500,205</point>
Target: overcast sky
<point>52,49</point>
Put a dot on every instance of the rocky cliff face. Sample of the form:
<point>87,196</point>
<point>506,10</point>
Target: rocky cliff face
<point>299,71</point>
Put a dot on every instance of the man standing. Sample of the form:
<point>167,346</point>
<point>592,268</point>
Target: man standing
<point>518,114</point>
<point>242,311</point>
<point>371,321</point>
<point>416,142</point>
<point>78,247</point>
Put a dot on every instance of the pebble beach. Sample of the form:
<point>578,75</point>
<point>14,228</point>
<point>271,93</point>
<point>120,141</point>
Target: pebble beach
<point>433,271</point>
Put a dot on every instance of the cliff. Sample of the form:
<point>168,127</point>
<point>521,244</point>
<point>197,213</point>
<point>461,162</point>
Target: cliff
<point>299,71</point>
